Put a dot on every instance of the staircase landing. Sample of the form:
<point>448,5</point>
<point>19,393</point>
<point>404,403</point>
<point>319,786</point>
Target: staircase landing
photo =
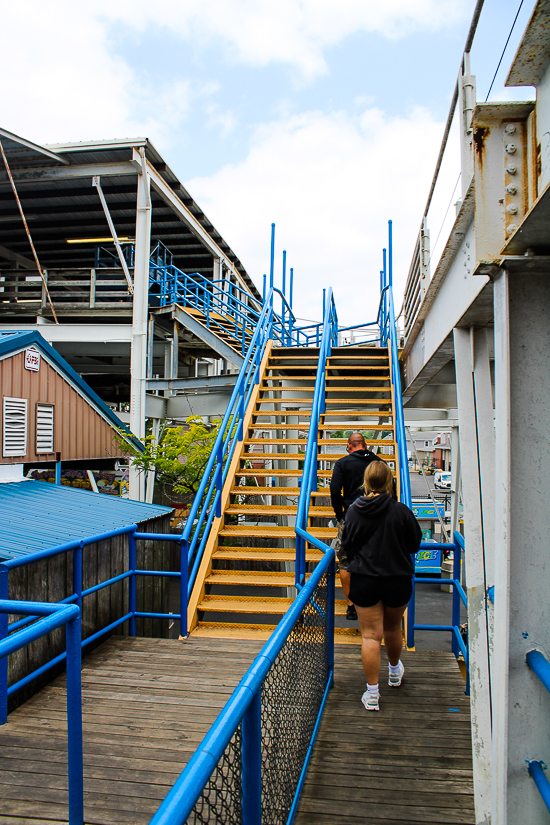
<point>147,704</point>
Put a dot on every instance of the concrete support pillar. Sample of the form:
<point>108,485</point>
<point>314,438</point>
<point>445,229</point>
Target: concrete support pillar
<point>138,361</point>
<point>456,479</point>
<point>521,705</point>
<point>477,448</point>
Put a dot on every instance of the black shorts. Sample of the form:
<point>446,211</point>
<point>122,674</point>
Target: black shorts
<point>392,591</point>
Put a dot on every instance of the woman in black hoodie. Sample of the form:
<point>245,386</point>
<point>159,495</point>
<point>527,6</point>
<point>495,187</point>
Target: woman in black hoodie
<point>380,535</point>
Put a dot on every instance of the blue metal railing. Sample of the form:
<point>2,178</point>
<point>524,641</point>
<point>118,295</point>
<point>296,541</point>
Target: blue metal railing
<point>540,666</point>
<point>309,477</point>
<point>243,706</point>
<point>79,594</point>
<point>54,616</point>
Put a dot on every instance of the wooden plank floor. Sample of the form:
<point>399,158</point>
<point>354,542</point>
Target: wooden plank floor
<point>409,763</point>
<point>147,704</point>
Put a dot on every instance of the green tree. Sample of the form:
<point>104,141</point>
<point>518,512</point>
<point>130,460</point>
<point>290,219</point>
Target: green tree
<point>179,458</point>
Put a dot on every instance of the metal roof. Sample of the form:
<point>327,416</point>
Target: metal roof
<point>37,516</point>
<point>62,204</point>
<point>13,342</point>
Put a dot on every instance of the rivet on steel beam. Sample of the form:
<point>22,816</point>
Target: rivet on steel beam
<point>511,168</point>
<point>510,129</point>
<point>511,189</point>
<point>511,228</point>
<point>511,148</point>
<point>512,209</point>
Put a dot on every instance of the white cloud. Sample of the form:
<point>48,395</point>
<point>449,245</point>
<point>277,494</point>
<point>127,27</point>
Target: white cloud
<point>330,183</point>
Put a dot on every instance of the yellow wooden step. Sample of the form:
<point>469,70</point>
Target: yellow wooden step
<point>230,630</point>
<point>276,491</point>
<point>263,554</point>
<point>267,605</point>
<point>274,531</point>
<point>249,577</point>
<point>275,510</point>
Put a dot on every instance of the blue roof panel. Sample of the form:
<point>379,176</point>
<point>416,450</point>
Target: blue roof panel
<point>37,515</point>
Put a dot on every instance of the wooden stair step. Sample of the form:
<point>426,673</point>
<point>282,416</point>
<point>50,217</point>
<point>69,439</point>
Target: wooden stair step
<point>274,531</point>
<point>275,510</point>
<point>270,605</point>
<point>264,554</point>
<point>230,630</point>
<point>249,577</point>
<point>382,443</point>
<point>275,491</point>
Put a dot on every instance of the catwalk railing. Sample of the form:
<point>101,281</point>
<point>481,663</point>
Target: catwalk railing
<point>540,666</point>
<point>251,765</point>
<point>75,550</point>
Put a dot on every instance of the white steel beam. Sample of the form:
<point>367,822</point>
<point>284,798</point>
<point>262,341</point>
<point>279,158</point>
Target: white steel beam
<point>103,333</point>
<point>189,219</point>
<point>521,704</point>
<point>86,170</point>
<point>475,409</point>
<point>138,362</point>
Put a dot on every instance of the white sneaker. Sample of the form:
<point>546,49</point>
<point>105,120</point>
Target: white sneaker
<point>394,680</point>
<point>371,700</point>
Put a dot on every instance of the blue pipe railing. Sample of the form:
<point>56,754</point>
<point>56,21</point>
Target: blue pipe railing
<point>309,475</point>
<point>54,616</point>
<point>540,666</point>
<point>79,594</point>
<point>244,707</point>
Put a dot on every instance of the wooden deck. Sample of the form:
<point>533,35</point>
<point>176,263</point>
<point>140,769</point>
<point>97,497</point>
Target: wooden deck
<point>409,763</point>
<point>147,704</point>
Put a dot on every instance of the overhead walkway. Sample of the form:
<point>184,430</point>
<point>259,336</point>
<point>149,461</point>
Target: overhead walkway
<point>257,575</point>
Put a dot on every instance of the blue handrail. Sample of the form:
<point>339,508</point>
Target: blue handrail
<point>54,616</point>
<point>181,799</point>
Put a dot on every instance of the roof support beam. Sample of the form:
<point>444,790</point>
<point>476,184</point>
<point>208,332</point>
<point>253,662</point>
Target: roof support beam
<point>88,170</point>
<point>204,383</point>
<point>189,219</point>
<point>27,263</point>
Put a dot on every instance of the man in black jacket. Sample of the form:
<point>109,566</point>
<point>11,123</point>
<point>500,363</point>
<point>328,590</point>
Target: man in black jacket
<point>345,486</point>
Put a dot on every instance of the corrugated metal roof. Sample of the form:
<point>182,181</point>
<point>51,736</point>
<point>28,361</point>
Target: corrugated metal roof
<point>37,515</point>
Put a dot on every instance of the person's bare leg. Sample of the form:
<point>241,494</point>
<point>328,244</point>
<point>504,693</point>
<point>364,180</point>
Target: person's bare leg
<point>393,637</point>
<point>345,581</point>
<point>371,622</point>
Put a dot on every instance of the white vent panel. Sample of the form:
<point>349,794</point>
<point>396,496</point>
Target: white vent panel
<point>15,427</point>
<point>44,428</point>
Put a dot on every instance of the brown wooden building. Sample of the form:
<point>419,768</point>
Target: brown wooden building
<point>48,412</point>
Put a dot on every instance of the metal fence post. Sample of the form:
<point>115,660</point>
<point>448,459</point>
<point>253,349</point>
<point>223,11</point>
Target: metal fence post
<point>184,570</point>
<point>330,618</point>
<point>410,615</point>
<point>74,722</point>
<point>251,758</point>
<point>456,596</point>
<point>132,563</point>
<point>219,480</point>
<point>4,572</point>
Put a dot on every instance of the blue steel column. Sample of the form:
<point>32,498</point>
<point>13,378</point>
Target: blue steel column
<point>184,570</point>
<point>272,258</point>
<point>3,635</point>
<point>330,618</point>
<point>132,584</point>
<point>251,754</point>
<point>77,574</point>
<point>74,722</point>
<point>456,596</point>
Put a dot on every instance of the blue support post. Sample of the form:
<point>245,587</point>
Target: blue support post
<point>241,417</point>
<point>4,572</point>
<point>219,480</point>
<point>456,597</point>
<point>410,615</point>
<point>272,258</point>
<point>290,291</point>
<point>283,306</point>
<point>324,302</point>
<point>184,570</point>
<point>330,618</point>
<point>132,583</point>
<point>264,288</point>
<point>390,255</point>
<point>540,666</point>
<point>251,758</point>
<point>58,472</point>
<point>74,721</point>
<point>385,301</point>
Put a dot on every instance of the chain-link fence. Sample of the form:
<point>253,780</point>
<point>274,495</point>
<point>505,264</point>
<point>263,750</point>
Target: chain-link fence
<point>291,698</point>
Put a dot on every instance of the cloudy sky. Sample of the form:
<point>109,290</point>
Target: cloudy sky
<point>322,116</point>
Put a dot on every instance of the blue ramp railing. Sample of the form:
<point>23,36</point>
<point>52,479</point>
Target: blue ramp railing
<point>540,666</point>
